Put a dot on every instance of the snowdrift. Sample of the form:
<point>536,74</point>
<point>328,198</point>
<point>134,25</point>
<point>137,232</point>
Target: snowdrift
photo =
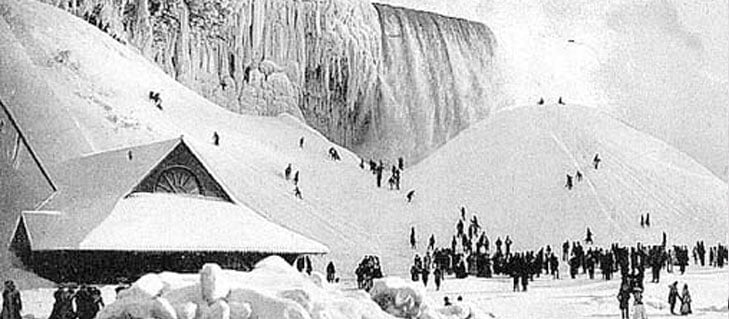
<point>273,289</point>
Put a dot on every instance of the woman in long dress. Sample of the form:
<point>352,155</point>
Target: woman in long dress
<point>685,301</point>
<point>11,302</point>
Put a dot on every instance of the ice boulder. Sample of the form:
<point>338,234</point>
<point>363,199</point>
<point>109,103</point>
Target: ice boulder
<point>148,286</point>
<point>264,305</point>
<point>213,283</point>
<point>318,279</point>
<point>275,264</point>
<point>239,310</point>
<point>218,310</point>
<point>398,297</point>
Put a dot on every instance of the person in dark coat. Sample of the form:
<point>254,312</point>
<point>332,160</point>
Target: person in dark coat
<point>301,142</point>
<point>12,303</point>
<point>588,238</point>
<point>568,185</point>
<point>410,195</point>
<point>624,299</point>
<point>438,276</point>
<point>297,193</point>
<point>685,301</point>
<point>425,273</point>
<point>216,139</point>
<point>673,295</point>
<point>412,238</point>
<point>648,220</point>
<point>296,178</point>
<point>596,160</point>
<point>287,172</point>
<point>579,176</point>
<point>63,307</point>
<point>331,271</point>
<point>400,163</point>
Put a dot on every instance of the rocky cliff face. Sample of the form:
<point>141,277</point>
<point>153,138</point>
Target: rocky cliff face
<point>381,80</point>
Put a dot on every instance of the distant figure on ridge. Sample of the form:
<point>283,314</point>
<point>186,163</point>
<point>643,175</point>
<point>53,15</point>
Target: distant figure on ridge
<point>154,96</point>
<point>642,221</point>
<point>301,142</point>
<point>216,139</point>
<point>410,195</point>
<point>129,154</point>
<point>596,160</point>
<point>648,220</point>
<point>541,101</point>
<point>560,101</point>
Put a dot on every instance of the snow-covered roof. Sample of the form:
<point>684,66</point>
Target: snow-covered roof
<point>169,222</point>
<point>95,209</point>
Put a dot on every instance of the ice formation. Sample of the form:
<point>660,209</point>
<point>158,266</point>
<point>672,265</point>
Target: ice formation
<point>381,80</point>
<point>274,289</point>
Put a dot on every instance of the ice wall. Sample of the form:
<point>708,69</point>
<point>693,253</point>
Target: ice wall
<point>439,77</point>
<point>381,80</point>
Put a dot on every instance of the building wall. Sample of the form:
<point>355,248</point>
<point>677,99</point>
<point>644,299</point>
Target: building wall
<point>112,267</point>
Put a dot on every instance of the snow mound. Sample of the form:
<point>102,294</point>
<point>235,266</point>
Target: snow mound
<point>511,171</point>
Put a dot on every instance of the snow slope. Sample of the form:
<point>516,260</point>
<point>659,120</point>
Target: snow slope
<point>100,88</point>
<point>659,65</point>
<point>512,169</point>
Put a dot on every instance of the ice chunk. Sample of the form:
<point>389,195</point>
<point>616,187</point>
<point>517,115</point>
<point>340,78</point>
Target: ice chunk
<point>213,283</point>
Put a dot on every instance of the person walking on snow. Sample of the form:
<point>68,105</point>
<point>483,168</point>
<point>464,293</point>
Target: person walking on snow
<point>560,101</point>
<point>297,193</point>
<point>588,239</point>
<point>673,295</point>
<point>412,237</point>
<point>579,176</point>
<point>596,160</point>
<point>638,307</point>
<point>216,139</point>
<point>438,277</point>
<point>568,185</point>
<point>541,101</point>
<point>642,221</point>
<point>431,242</point>
<point>410,195</point>
<point>623,299</point>
<point>685,301</point>
<point>648,220</point>
<point>296,178</point>
<point>425,273</point>
<point>301,142</point>
<point>287,172</point>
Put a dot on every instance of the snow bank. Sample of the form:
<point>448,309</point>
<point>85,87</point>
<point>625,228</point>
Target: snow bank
<point>273,289</point>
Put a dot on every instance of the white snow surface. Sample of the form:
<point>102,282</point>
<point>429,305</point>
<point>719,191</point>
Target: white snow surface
<point>487,298</point>
<point>509,170</point>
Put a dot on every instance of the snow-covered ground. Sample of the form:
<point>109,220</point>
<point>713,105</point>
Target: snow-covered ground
<point>546,298</point>
<point>92,92</point>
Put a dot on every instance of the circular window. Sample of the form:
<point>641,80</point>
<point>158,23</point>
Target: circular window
<point>178,180</point>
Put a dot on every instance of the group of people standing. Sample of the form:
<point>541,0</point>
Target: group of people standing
<point>368,270</point>
<point>87,302</point>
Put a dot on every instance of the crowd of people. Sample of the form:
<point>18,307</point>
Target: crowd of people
<point>368,270</point>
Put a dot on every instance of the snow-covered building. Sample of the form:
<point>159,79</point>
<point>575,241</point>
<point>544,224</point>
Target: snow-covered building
<point>145,208</point>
